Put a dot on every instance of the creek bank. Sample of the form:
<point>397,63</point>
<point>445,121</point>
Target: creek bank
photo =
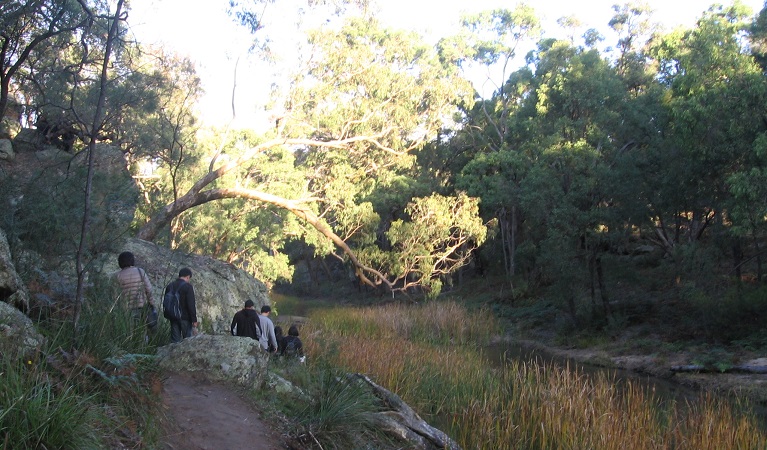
<point>750,386</point>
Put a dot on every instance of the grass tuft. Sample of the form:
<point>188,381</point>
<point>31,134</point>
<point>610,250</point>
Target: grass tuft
<point>437,366</point>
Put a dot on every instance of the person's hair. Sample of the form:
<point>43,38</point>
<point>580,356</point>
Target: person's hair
<point>185,272</point>
<point>266,308</point>
<point>293,331</point>
<point>126,259</point>
<point>249,303</point>
<point>278,331</point>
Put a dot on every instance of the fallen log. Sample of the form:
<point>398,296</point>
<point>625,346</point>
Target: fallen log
<point>405,423</point>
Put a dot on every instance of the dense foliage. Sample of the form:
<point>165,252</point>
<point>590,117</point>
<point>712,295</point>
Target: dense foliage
<point>384,166</point>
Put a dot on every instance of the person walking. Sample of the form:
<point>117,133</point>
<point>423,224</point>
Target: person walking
<point>186,325</point>
<point>267,337</point>
<point>246,322</point>
<point>280,338</point>
<point>136,289</point>
<point>292,345</point>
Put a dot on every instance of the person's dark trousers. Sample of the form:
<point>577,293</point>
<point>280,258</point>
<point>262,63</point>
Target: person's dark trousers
<point>180,329</point>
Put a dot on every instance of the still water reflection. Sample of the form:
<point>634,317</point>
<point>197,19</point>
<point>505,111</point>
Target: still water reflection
<point>664,391</point>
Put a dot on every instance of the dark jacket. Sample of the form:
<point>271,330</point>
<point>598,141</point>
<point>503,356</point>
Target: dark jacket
<point>292,346</point>
<point>245,323</point>
<point>186,299</point>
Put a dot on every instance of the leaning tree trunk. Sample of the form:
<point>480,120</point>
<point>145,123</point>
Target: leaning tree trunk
<point>197,197</point>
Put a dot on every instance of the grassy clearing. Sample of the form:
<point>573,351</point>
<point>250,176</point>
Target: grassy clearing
<point>430,356</point>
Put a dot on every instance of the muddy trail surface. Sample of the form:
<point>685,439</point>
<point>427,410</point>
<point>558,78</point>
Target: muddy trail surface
<point>213,416</point>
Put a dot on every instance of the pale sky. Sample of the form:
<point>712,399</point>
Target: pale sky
<point>202,30</point>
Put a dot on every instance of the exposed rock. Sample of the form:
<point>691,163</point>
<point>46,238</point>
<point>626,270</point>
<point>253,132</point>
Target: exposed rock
<point>18,336</point>
<point>280,385</point>
<point>741,368</point>
<point>220,288</point>
<point>12,289</point>
<point>9,128</point>
<point>28,140</point>
<point>217,358</point>
<point>6,149</point>
<point>36,183</point>
<point>644,249</point>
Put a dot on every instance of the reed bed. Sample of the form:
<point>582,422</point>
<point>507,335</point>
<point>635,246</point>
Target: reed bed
<point>431,356</point>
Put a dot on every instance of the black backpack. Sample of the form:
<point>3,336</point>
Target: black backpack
<point>171,302</point>
<point>291,346</point>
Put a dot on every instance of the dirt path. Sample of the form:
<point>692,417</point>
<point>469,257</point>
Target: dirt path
<point>211,416</point>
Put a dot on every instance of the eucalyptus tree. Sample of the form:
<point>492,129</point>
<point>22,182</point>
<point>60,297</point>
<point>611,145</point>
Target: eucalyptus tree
<point>61,88</point>
<point>632,22</point>
<point>758,38</point>
<point>491,40</point>
<point>579,102</point>
<point>748,187</point>
<point>31,26</point>
<point>157,126</point>
<point>716,98</point>
<point>366,100</point>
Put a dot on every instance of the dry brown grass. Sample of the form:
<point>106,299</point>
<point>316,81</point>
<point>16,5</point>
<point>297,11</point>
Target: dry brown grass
<point>432,360</point>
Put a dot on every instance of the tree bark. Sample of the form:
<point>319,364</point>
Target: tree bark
<point>402,421</point>
<point>197,196</point>
<point>296,207</point>
<point>94,129</point>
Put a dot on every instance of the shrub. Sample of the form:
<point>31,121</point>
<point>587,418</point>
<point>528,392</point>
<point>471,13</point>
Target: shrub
<point>36,413</point>
<point>339,414</point>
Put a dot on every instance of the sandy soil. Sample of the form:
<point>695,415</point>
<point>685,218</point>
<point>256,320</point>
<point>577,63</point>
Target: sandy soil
<point>212,416</point>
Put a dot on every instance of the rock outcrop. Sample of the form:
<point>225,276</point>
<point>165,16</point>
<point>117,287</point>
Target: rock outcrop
<point>18,336</point>
<point>217,358</point>
<point>221,289</point>
<point>41,194</point>
<point>6,149</point>
<point>28,140</point>
<point>12,289</point>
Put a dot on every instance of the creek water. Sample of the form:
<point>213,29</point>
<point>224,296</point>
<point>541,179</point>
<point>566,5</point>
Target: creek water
<point>663,390</point>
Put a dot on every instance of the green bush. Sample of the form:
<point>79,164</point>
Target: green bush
<point>38,413</point>
<point>80,392</point>
<point>338,416</point>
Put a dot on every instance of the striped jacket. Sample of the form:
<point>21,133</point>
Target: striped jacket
<point>136,288</point>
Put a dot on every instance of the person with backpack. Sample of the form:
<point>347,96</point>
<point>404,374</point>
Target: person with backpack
<point>267,337</point>
<point>136,289</point>
<point>246,322</point>
<point>179,306</point>
<point>292,345</point>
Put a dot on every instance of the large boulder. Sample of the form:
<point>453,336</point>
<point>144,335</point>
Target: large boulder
<point>12,289</point>
<point>217,358</point>
<point>6,149</point>
<point>18,336</point>
<point>9,128</point>
<point>28,140</point>
<point>220,288</point>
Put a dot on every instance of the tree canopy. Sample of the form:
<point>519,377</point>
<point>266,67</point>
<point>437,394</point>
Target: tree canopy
<point>386,161</point>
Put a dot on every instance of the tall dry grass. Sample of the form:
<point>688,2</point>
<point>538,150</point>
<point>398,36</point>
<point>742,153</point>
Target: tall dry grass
<point>431,356</point>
